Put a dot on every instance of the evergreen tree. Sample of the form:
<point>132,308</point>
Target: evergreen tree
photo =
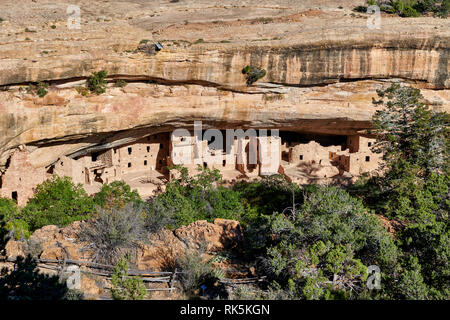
<point>124,287</point>
<point>407,130</point>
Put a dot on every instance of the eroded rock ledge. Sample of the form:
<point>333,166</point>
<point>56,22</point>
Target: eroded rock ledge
<point>65,122</point>
<point>323,68</point>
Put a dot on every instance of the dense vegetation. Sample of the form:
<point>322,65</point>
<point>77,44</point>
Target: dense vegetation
<point>192,198</point>
<point>324,249</point>
<point>57,201</point>
<point>311,242</point>
<point>410,8</point>
<point>116,194</point>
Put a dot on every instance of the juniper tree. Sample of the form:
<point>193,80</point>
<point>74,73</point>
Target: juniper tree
<point>124,287</point>
<point>407,130</point>
<point>414,142</point>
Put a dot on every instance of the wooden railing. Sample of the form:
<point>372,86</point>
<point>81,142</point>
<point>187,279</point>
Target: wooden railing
<point>105,270</point>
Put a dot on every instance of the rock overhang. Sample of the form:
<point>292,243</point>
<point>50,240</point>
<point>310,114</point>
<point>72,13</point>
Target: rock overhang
<point>326,62</point>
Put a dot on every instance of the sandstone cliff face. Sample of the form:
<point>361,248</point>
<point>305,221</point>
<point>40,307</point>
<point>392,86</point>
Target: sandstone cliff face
<point>296,63</point>
<point>298,44</point>
<point>122,115</point>
<point>323,66</point>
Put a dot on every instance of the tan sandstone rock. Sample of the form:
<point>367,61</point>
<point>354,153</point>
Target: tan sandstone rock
<point>320,65</point>
<point>14,249</point>
<point>161,251</point>
<point>46,234</point>
<point>61,250</point>
<point>89,287</point>
<point>220,235</point>
<point>72,230</point>
<point>166,246</point>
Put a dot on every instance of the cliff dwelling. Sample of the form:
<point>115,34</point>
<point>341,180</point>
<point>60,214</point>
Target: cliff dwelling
<point>144,91</point>
<point>316,89</point>
<point>143,164</point>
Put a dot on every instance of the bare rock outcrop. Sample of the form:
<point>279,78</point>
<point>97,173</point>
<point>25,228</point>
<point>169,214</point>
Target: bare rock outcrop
<point>14,248</point>
<point>220,235</point>
<point>50,242</point>
<point>159,253</point>
<point>166,246</point>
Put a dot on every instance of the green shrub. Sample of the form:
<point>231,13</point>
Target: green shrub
<point>17,229</point>
<point>410,8</point>
<point>409,11</point>
<point>411,284</point>
<point>41,92</point>
<point>268,195</point>
<point>192,198</point>
<point>322,252</point>
<point>124,287</point>
<point>428,244</point>
<point>96,82</point>
<point>262,199</point>
<point>116,194</point>
<point>39,89</point>
<point>8,209</point>
<point>420,201</point>
<point>8,212</point>
<point>444,10</point>
<point>197,271</point>
<point>82,90</point>
<point>120,83</point>
<point>114,232</point>
<point>57,201</point>
<point>253,74</point>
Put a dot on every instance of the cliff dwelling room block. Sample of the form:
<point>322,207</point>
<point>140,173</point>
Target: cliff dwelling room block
<point>143,164</point>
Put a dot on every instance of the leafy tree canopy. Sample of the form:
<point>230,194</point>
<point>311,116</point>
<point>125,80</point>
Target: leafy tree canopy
<point>57,201</point>
<point>116,194</point>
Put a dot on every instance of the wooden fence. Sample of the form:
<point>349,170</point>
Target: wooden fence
<point>104,270</point>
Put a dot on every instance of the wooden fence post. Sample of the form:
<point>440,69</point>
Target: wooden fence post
<point>172,280</point>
